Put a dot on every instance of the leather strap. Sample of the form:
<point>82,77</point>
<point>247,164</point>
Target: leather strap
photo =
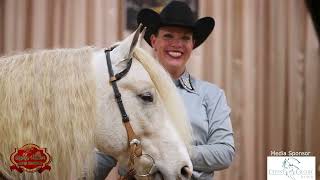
<point>134,145</point>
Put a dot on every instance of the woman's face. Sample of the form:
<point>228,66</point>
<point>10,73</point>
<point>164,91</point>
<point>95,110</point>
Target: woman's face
<point>173,47</point>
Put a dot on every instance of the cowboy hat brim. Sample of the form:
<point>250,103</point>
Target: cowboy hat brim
<point>201,28</point>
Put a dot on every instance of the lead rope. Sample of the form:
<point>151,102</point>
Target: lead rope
<point>134,145</point>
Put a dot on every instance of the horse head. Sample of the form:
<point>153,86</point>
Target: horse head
<point>147,92</point>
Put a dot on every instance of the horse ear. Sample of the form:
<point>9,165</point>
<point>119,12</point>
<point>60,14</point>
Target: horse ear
<point>135,40</point>
<point>141,37</point>
<point>125,48</point>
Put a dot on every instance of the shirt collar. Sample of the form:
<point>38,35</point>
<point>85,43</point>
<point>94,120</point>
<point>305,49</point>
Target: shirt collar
<point>185,81</point>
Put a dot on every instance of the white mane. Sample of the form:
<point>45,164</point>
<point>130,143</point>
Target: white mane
<point>48,98</point>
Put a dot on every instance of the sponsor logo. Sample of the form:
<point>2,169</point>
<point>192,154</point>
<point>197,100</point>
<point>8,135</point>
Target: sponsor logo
<point>30,158</point>
<point>291,168</point>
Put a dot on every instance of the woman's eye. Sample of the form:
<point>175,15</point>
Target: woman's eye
<point>167,36</point>
<point>186,38</point>
<point>147,97</point>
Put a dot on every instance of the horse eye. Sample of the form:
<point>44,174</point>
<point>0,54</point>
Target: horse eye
<point>147,97</point>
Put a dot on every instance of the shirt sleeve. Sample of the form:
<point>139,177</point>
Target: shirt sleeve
<point>219,151</point>
<point>104,165</point>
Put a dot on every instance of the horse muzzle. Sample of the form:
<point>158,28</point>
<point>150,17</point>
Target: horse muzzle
<point>185,174</point>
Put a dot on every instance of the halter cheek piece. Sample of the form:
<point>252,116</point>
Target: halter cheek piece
<point>134,144</point>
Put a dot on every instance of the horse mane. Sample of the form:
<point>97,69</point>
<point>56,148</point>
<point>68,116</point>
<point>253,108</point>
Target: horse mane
<point>167,90</point>
<point>38,106</point>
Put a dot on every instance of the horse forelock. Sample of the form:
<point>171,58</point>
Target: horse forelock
<point>48,98</point>
<point>170,97</point>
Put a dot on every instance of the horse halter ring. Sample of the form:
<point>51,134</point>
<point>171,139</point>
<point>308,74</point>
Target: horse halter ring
<point>147,170</point>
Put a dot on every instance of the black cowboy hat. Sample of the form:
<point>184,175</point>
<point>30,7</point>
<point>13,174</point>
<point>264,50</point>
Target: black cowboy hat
<point>176,13</point>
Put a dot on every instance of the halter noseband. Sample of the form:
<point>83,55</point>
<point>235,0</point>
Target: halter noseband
<point>134,144</point>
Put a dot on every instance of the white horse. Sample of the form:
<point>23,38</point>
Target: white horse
<point>62,100</point>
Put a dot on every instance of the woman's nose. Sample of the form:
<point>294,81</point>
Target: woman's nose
<point>177,43</point>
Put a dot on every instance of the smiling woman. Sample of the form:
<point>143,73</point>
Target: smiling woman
<point>173,34</point>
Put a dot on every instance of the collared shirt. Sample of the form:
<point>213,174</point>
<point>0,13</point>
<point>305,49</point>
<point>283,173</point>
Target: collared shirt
<point>209,115</point>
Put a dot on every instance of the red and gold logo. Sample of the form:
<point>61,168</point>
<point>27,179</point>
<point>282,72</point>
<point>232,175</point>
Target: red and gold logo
<point>30,158</point>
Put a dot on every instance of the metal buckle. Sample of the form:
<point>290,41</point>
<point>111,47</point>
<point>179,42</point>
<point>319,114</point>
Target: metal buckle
<point>113,78</point>
<point>135,141</point>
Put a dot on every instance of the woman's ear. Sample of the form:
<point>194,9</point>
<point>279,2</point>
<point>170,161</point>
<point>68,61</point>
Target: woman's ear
<point>153,40</point>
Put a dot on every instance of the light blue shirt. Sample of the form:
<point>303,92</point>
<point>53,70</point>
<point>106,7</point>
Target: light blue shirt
<point>209,115</point>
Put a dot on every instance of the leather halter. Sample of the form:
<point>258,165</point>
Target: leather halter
<point>134,144</point>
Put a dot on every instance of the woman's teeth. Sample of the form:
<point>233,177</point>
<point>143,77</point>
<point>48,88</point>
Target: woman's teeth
<point>174,53</point>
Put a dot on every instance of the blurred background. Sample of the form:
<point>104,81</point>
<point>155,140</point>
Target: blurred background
<point>265,54</point>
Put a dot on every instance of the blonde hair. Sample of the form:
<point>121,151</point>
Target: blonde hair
<point>48,98</point>
<point>169,95</point>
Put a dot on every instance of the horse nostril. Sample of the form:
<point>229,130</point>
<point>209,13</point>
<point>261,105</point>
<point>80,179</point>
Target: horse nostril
<point>186,172</point>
